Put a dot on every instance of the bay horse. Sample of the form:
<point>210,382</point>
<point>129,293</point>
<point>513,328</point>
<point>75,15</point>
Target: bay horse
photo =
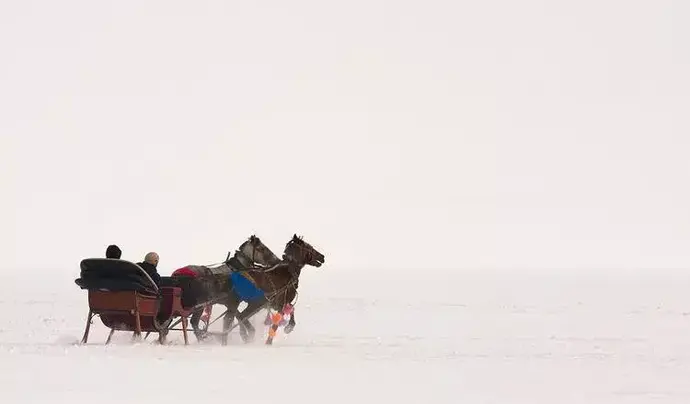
<point>252,253</point>
<point>270,288</point>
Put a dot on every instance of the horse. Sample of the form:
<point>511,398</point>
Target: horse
<point>252,253</point>
<point>298,269</point>
<point>271,288</point>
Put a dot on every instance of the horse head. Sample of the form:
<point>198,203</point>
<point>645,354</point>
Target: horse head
<point>299,251</point>
<point>255,251</point>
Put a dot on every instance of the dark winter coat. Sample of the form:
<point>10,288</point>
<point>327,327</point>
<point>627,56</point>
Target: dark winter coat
<point>151,270</point>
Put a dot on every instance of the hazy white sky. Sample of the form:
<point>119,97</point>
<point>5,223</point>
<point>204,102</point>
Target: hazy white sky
<point>396,134</point>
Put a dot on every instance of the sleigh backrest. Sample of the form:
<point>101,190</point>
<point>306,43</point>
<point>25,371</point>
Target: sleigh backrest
<point>115,275</point>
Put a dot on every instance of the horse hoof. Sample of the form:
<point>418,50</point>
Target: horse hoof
<point>289,328</point>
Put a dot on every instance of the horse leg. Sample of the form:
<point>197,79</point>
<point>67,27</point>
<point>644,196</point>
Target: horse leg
<point>229,317</point>
<point>252,308</point>
<point>243,325</point>
<point>251,331</point>
<point>194,321</point>
<point>291,324</point>
<point>246,331</point>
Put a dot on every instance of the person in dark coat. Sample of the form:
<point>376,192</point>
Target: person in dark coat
<point>113,251</point>
<point>149,265</point>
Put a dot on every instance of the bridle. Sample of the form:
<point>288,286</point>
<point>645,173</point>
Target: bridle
<point>292,267</point>
<point>251,259</point>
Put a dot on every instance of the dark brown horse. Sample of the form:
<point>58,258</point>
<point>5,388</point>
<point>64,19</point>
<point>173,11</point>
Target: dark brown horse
<point>277,286</point>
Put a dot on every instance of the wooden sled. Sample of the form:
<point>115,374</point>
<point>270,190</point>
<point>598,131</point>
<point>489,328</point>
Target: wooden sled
<point>125,297</point>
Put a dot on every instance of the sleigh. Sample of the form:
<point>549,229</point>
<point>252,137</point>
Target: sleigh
<point>125,298</point>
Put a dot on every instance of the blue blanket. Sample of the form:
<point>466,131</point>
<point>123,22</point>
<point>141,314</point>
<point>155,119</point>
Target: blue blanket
<point>244,288</point>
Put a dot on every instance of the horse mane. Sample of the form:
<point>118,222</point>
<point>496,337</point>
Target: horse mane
<point>296,240</point>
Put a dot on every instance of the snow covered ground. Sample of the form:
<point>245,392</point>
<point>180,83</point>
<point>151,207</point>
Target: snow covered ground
<point>365,337</point>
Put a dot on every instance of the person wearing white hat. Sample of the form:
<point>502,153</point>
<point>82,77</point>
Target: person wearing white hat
<point>149,265</point>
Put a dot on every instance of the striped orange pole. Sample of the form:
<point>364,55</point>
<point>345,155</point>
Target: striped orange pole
<point>275,321</point>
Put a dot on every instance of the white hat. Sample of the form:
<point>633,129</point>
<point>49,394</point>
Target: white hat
<point>151,258</point>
